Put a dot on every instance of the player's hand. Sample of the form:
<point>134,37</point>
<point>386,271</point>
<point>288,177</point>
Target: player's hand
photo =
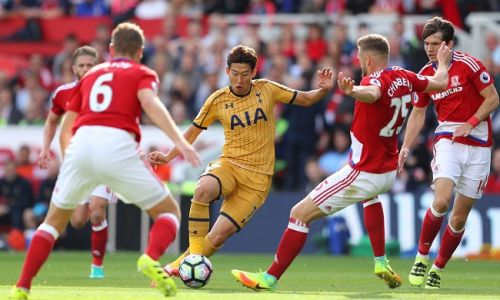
<point>462,130</point>
<point>44,159</point>
<point>190,154</point>
<point>325,79</point>
<point>156,158</point>
<point>444,54</point>
<point>346,84</point>
<point>403,156</point>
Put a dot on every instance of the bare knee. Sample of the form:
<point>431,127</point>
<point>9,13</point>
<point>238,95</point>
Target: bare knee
<point>167,205</point>
<point>207,190</point>
<point>98,210</point>
<point>441,203</point>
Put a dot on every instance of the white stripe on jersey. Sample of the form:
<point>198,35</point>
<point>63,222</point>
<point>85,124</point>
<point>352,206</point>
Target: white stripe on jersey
<point>468,61</point>
<point>64,87</point>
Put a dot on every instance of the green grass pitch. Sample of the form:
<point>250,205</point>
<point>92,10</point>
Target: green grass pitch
<point>65,276</point>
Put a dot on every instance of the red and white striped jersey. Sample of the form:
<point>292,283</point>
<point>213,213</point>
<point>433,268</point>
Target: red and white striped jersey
<point>454,106</point>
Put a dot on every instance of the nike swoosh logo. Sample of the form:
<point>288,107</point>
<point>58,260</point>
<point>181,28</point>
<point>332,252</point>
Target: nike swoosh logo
<point>260,288</point>
<point>392,272</point>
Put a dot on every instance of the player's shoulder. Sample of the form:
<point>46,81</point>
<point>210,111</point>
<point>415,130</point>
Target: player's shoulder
<point>67,87</point>
<point>218,94</point>
<point>428,68</point>
<point>147,70</point>
<point>467,60</point>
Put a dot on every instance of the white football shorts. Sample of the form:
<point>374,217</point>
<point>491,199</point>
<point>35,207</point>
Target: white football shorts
<point>467,166</point>
<point>104,192</point>
<point>348,186</point>
<point>109,156</point>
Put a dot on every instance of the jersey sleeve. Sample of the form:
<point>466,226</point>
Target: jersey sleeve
<point>149,80</point>
<point>282,93</point>
<point>75,103</point>
<point>419,82</point>
<point>421,99</point>
<point>207,114</point>
<point>481,79</point>
<point>56,108</point>
<point>368,81</point>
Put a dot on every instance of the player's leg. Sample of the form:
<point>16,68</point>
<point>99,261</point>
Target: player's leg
<point>451,239</point>
<point>469,188</point>
<point>292,242</point>
<point>41,245</point>
<point>80,215</point>
<point>166,215</point>
<point>374,224</point>
<point>99,200</point>
<point>217,180</point>
<point>446,168</point>
<point>72,184</point>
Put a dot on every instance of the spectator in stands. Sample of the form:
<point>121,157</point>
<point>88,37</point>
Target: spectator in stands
<point>9,114</point>
<point>18,192</point>
<point>91,8</point>
<point>35,215</point>
<point>33,11</point>
<point>316,43</point>
<point>36,112</point>
<point>261,7</point>
<point>151,9</point>
<point>38,68</point>
<point>122,10</point>
<point>337,154</point>
<point>70,44</point>
<point>493,183</point>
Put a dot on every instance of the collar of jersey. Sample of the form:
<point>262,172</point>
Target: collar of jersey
<point>434,64</point>
<point>241,96</point>
<point>121,59</point>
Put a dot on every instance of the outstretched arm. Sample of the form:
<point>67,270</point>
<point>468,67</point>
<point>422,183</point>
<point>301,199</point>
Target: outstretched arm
<point>161,117</point>
<point>363,93</point>
<point>158,158</point>
<point>415,123</point>
<point>49,130</point>
<point>325,84</point>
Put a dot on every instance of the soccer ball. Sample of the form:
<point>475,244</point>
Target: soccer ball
<point>195,270</point>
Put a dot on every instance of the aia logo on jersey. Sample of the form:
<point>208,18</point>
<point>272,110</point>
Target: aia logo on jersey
<point>484,77</point>
<point>248,119</point>
<point>455,81</point>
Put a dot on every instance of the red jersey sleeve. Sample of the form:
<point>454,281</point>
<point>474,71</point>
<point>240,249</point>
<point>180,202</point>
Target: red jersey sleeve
<point>56,108</point>
<point>480,79</point>
<point>419,82</point>
<point>421,99</point>
<point>149,80</point>
<point>75,104</point>
<point>368,80</point>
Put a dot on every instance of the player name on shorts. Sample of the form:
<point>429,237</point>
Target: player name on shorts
<point>398,82</point>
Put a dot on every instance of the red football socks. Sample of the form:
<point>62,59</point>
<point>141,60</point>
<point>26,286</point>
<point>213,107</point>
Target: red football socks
<point>430,228</point>
<point>98,239</point>
<point>374,224</point>
<point>162,234</point>
<point>291,244</point>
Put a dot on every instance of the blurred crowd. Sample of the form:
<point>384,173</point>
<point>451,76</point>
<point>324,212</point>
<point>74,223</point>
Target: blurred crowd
<point>311,143</point>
